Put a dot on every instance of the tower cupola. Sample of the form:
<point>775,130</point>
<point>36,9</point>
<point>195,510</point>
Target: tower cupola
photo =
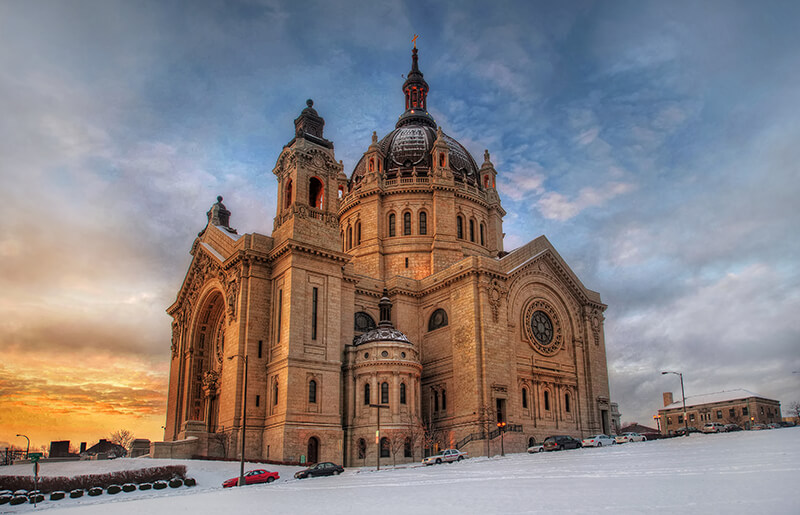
<point>415,90</point>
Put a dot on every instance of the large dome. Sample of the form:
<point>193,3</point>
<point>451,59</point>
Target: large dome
<point>409,146</point>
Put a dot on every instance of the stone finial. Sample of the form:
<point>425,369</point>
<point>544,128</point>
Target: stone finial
<point>218,215</point>
<point>374,137</point>
<point>310,103</point>
<point>486,155</point>
<point>385,306</point>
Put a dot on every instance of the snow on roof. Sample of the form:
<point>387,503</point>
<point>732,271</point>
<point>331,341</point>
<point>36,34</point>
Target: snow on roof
<point>708,398</point>
<point>212,251</point>
<point>232,235</point>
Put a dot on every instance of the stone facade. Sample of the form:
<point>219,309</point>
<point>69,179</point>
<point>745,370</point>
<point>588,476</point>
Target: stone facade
<point>739,407</point>
<point>468,334</point>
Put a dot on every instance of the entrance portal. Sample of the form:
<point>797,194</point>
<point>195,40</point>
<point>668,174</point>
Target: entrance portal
<point>313,450</point>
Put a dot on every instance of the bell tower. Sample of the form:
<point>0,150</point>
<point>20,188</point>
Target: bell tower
<point>308,186</point>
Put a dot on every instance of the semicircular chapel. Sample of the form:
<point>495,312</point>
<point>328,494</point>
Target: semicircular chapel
<point>383,296</point>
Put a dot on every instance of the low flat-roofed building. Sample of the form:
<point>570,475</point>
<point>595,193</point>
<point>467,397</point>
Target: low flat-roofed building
<point>741,407</point>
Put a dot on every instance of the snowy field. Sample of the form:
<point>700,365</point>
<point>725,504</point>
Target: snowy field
<point>745,472</point>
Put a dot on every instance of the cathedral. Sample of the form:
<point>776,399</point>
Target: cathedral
<point>382,318</point>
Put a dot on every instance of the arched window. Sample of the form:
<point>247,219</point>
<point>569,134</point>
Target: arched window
<point>384,447</point>
<point>444,400</point>
<point>391,224</point>
<point>275,393</point>
<point>312,391</point>
<point>546,400</point>
<point>358,233</point>
<point>438,319</point>
<point>472,231</point>
<point>406,224</point>
<point>566,402</point>
<point>384,393</point>
<point>442,160</point>
<point>288,194</point>
<point>531,441</point>
<point>482,241</point>
<point>316,193</point>
<point>349,238</point>
<point>485,181</point>
<point>362,322</point>
<point>344,243</point>
<point>435,400</point>
<point>460,227</point>
<point>366,393</point>
<point>525,398</point>
<point>423,222</point>
<point>362,448</point>
<point>402,393</point>
<point>371,164</point>
<point>407,448</point>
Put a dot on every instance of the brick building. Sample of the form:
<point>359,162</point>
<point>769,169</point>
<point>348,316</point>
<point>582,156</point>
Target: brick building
<point>392,287</point>
<point>740,407</point>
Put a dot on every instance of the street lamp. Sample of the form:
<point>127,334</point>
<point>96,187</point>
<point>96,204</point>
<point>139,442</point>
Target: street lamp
<point>244,416</point>
<point>378,432</point>
<point>28,450</point>
<point>683,396</point>
<point>502,427</point>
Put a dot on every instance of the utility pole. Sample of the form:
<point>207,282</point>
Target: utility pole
<point>244,417</point>
<point>378,432</point>
<point>683,396</point>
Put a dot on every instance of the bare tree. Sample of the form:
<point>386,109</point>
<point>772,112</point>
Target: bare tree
<point>430,436</point>
<point>122,437</point>
<point>414,431</point>
<point>223,439</point>
<point>794,410</point>
<point>397,442</point>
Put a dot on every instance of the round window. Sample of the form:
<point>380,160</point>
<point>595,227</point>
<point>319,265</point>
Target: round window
<point>402,354</point>
<point>366,355</point>
<point>542,328</point>
<point>384,354</point>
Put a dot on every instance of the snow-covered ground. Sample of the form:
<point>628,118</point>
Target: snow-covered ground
<point>744,472</point>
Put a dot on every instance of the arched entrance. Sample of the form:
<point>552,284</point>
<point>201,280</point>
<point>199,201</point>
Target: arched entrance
<point>313,450</point>
<point>208,344</point>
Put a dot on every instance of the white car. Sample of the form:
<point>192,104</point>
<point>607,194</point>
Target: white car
<point>598,441</point>
<point>447,456</point>
<point>713,427</point>
<point>630,437</point>
<point>533,449</point>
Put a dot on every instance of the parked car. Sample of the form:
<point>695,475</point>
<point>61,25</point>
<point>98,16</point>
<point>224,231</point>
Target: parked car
<point>653,436</point>
<point>253,477</point>
<point>732,427</point>
<point>713,427</point>
<point>560,442</point>
<point>774,425</point>
<point>326,468</point>
<point>758,427</point>
<point>629,437</point>
<point>597,441</point>
<point>446,456</point>
<point>533,449</point>
<point>682,431</point>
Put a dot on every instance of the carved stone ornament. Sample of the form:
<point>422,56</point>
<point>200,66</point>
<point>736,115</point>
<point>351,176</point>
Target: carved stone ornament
<point>210,383</point>
<point>231,296</point>
<point>176,334</point>
<point>496,293</point>
<point>543,328</point>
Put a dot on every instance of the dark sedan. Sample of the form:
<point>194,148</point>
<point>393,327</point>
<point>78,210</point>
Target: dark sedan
<point>561,442</point>
<point>253,477</point>
<point>325,468</point>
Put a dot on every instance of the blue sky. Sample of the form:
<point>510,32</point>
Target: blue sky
<point>654,143</point>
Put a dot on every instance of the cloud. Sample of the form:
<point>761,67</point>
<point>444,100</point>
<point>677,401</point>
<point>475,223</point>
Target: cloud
<point>556,206</point>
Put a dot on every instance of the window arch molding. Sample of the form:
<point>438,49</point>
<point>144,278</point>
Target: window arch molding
<point>406,223</point>
<point>422,221</point>
<point>391,229</point>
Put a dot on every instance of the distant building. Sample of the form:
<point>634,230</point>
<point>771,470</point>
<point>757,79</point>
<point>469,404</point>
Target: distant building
<point>740,407</point>
<point>106,449</point>
<point>616,418</point>
<point>59,449</point>
<point>638,428</point>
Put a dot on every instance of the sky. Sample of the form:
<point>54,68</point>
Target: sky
<point>653,143</point>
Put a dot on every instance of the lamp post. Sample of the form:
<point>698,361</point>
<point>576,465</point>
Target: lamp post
<point>244,416</point>
<point>28,450</point>
<point>502,427</point>
<point>378,432</point>
<point>683,396</point>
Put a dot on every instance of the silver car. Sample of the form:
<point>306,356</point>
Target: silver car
<point>598,441</point>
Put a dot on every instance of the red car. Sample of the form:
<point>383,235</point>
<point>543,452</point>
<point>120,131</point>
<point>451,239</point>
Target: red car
<point>252,478</point>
